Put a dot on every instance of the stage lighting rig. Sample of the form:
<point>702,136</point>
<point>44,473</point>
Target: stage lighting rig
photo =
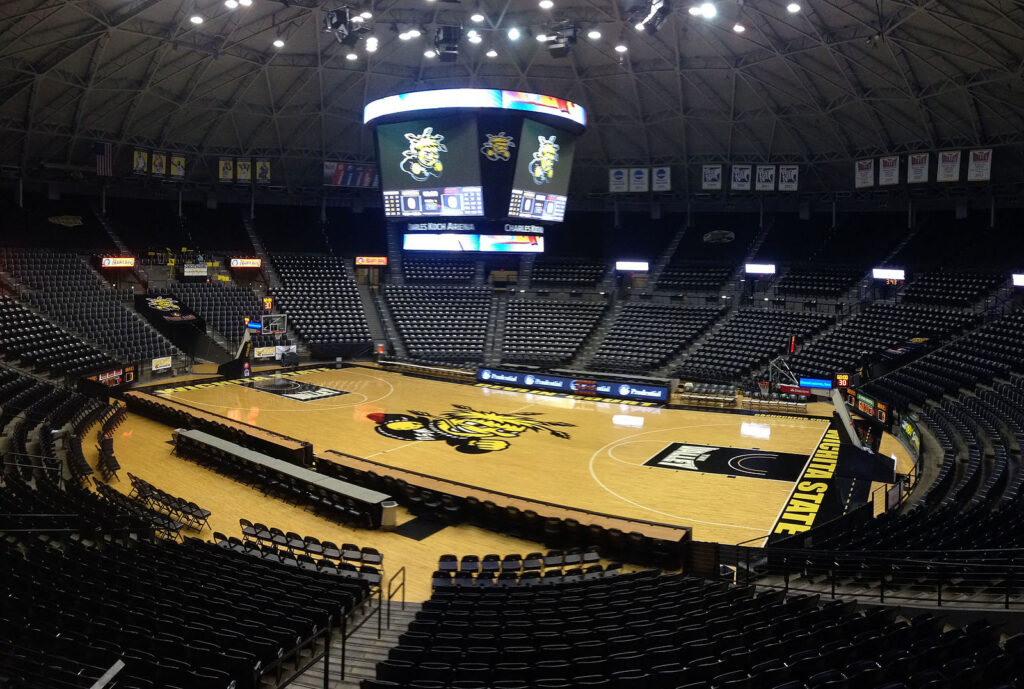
<point>345,26</point>
<point>653,15</point>
<point>446,42</point>
<point>559,38</point>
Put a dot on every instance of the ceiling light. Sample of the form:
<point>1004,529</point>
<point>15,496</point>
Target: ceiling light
<point>621,48</point>
<point>476,17</point>
<point>371,44</point>
<point>366,14</point>
<point>738,28</point>
<point>639,26</point>
<point>245,3</point>
<point>513,34</point>
<point>546,4</point>
<point>404,36</point>
<point>491,53</point>
<point>358,19</point>
<point>593,34</point>
<point>430,53</point>
<point>541,37</point>
<point>475,38</point>
<point>231,4</point>
<point>351,56</point>
<point>278,42</point>
<point>793,7</point>
<point>196,19</point>
<point>415,33</point>
<point>472,32</point>
<point>695,11</point>
<point>708,10</point>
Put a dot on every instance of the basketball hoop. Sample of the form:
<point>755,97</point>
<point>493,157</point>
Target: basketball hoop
<point>765,386</point>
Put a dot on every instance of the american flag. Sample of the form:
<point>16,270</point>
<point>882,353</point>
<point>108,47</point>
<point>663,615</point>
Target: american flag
<point>104,160</point>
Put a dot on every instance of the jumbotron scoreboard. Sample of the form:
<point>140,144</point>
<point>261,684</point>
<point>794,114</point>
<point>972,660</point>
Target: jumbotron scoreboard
<point>494,161</point>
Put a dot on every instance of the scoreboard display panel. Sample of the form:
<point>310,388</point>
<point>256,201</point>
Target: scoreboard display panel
<point>541,180</point>
<point>428,167</point>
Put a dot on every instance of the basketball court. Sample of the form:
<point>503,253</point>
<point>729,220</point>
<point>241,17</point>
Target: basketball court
<point>729,476</point>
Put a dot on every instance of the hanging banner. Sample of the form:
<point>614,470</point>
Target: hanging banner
<point>789,177</point>
<point>711,178</point>
<point>765,178</point>
<point>979,165</point>
<point>638,179</point>
<point>888,171</point>
<point>350,175</point>
<point>262,171</point>
<point>140,162</point>
<point>661,179</point>
<point>949,167</point>
<point>226,170</point>
<point>178,167</point>
<point>159,164</point>
<point>864,173</point>
<point>917,168</point>
<point>244,175</point>
<point>618,182</point>
<point>741,177</point>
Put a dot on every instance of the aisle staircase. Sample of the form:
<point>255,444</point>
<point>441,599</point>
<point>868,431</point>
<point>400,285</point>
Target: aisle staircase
<point>589,347</point>
<point>496,322</point>
<point>273,280</point>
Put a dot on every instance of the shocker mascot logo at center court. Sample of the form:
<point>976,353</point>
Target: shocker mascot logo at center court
<point>423,157</point>
<point>467,430</point>
<point>542,167</point>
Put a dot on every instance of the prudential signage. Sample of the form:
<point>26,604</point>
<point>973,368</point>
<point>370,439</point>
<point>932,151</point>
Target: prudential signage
<point>576,386</point>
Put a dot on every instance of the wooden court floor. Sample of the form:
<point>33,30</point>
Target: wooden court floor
<point>583,454</point>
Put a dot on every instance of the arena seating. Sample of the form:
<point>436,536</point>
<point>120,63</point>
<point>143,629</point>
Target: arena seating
<point>694,278</point>
<point>547,332</point>
<point>567,273</point>
<point>322,303</point>
<point>42,346</point>
<point>878,327</point>
<point>861,240</point>
<point>950,289</point>
<point>191,616</point>
<point>65,289</point>
<point>440,323</point>
<point>645,335</point>
<point>747,339</point>
<point>223,308</point>
<point>434,269</point>
<point>812,283</point>
<point>645,630</point>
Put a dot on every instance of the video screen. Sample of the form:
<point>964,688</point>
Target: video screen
<point>441,242</point>
<point>543,168</point>
<point>512,243</point>
<point>429,168</point>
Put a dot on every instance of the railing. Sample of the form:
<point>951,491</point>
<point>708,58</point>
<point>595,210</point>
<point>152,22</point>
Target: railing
<point>346,632</point>
<point>396,589</point>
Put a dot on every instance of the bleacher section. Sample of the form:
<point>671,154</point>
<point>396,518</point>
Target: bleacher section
<point>642,630</point>
<point>441,323</point>
<point>322,303</point>
<point>815,283</point>
<point>645,335</point>
<point>950,289</point>
<point>442,269</point>
<point>65,289</point>
<point>694,278</point>
<point>39,344</point>
<point>567,273</point>
<point>748,339</point>
<point>547,332</point>
<point>223,308</point>
<point>881,326</point>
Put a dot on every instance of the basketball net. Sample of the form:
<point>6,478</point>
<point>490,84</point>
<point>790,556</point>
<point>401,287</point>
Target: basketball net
<point>766,386</point>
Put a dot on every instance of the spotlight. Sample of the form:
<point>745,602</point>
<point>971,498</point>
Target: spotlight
<point>366,14</point>
<point>196,19</point>
<point>476,17</point>
<point>655,14</point>
<point>793,7</point>
<point>738,28</point>
<point>371,44</point>
<point>231,4</point>
<point>491,53</point>
<point>513,34</point>
<point>351,56</point>
<point>446,42</point>
<point>430,53</point>
<point>546,4</point>
<point>708,10</point>
<point>404,36</point>
<point>621,48</point>
<point>245,3</point>
<point>278,42</point>
<point>358,19</point>
<point>542,37</point>
<point>475,38</point>
<point>562,41</point>
<point>415,33</point>
<point>347,29</point>
<point>594,34</point>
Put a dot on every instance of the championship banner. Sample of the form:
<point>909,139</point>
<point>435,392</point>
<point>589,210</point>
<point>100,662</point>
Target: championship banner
<point>140,162</point>
<point>711,178</point>
<point>350,175</point>
<point>789,177</point>
<point>178,167</point>
<point>741,177</point>
<point>225,170</point>
<point>638,179</point>
<point>917,168</point>
<point>617,181</point>
<point>864,173</point>
<point>661,179</point>
<point>949,167</point>
<point>263,352</point>
<point>244,175</point>
<point>765,178</point>
<point>979,165</point>
<point>888,171</point>
<point>262,171</point>
<point>159,164</point>
<point>160,364</point>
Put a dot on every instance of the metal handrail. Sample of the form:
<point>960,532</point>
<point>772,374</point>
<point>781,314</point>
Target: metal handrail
<point>393,591</point>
